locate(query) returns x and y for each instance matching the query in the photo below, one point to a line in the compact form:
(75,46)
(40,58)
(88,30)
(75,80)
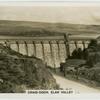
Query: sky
(62,14)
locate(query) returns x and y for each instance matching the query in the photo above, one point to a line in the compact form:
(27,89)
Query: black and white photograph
(53,48)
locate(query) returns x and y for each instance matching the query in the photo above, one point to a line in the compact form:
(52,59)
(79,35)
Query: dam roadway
(77,87)
(49,38)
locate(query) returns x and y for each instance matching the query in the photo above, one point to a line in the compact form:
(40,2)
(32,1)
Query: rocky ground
(19,72)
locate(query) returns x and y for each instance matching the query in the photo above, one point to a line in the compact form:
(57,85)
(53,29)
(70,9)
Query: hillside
(19,73)
(28,28)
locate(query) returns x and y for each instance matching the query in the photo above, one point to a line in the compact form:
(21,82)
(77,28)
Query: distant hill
(28,28)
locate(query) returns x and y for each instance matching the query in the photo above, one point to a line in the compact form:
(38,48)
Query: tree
(93,43)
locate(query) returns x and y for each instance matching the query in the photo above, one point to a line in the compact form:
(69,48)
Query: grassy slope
(40,28)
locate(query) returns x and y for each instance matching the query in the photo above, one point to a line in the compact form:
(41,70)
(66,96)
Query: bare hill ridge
(28,28)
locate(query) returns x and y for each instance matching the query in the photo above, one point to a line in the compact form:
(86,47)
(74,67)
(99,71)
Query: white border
(31,3)
(49,97)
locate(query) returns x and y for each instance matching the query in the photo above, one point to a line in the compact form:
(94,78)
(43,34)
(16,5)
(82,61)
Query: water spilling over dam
(52,49)
(47,57)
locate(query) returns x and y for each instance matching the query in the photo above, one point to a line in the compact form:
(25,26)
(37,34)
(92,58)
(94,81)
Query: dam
(51,49)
